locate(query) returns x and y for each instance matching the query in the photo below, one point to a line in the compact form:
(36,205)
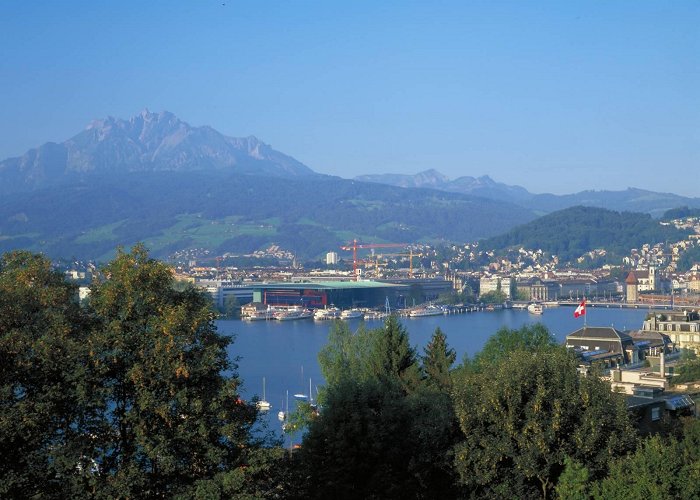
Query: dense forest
(572,232)
(131,395)
(680,213)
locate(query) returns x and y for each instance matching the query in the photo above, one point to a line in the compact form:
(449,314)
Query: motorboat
(327,313)
(429,310)
(352,314)
(292,314)
(535,308)
(260,315)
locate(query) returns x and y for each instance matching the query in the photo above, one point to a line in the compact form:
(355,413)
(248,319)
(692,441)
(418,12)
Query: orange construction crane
(410,256)
(355,246)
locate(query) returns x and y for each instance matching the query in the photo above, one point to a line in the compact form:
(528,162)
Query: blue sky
(553,96)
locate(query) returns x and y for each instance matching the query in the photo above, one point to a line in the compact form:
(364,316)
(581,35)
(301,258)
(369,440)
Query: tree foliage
(383,431)
(688,259)
(505,341)
(173,418)
(526,414)
(660,468)
(47,393)
(133,396)
(494,297)
(437,362)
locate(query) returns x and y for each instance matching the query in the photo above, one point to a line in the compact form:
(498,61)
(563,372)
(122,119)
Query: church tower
(631,287)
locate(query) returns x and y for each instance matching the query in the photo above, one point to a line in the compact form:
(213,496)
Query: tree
(232,309)
(346,354)
(391,357)
(573,482)
(658,469)
(505,341)
(381,432)
(495,297)
(355,448)
(437,361)
(47,410)
(174,419)
(525,414)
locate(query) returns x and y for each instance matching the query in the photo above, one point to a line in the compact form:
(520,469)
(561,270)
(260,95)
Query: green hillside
(239,213)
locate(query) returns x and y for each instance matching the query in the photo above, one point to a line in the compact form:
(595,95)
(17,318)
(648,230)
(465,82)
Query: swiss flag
(581,309)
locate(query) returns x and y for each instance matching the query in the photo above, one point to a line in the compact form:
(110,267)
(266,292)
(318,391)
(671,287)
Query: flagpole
(585,316)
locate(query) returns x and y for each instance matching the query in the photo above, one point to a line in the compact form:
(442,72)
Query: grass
(101,233)
(207,233)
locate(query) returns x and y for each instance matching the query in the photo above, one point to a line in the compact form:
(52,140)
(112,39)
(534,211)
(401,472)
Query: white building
(331,258)
(494,283)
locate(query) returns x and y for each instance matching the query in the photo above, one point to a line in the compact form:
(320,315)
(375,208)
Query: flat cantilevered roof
(326,285)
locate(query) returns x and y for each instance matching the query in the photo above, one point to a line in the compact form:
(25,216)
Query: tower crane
(356,246)
(410,256)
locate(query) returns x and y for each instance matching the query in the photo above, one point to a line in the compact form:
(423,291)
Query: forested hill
(571,232)
(230,212)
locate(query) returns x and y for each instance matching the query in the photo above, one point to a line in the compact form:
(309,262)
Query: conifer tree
(437,361)
(391,357)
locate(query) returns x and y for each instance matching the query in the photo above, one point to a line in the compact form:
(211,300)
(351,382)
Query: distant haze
(555,97)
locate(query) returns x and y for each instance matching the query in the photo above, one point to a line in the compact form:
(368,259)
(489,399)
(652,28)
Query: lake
(285,352)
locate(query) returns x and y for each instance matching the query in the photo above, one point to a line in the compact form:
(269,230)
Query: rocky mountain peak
(148,141)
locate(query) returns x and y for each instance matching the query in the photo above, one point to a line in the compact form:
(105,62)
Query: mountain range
(148,142)
(629,200)
(157,179)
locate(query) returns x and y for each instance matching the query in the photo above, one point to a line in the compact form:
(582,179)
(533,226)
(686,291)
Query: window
(655,414)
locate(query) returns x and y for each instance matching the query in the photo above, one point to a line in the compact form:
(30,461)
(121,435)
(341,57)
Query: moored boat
(373,315)
(263,404)
(327,313)
(292,314)
(429,310)
(351,314)
(260,315)
(535,308)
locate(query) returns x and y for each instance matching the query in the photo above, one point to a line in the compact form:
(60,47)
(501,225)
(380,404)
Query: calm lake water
(285,352)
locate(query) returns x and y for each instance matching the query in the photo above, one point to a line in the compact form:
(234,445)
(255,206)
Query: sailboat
(282,414)
(314,406)
(301,395)
(263,404)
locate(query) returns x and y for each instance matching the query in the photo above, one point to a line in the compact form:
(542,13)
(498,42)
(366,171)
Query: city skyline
(553,97)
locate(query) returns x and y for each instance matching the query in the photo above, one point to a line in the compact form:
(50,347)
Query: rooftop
(326,285)
(598,333)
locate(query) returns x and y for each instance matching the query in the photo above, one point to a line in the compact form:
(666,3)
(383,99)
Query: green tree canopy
(173,413)
(526,414)
(495,297)
(382,353)
(660,468)
(506,340)
(345,355)
(45,386)
(382,431)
